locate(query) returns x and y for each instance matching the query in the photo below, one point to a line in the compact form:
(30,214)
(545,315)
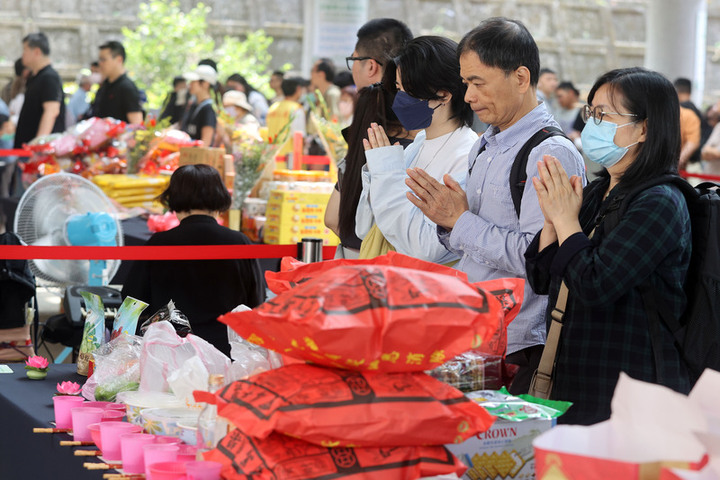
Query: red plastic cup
(158,453)
(110,415)
(81,418)
(167,471)
(62,405)
(131,451)
(110,433)
(187,453)
(94,429)
(203,470)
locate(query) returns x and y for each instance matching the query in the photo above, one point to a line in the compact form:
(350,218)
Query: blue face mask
(413,113)
(598,143)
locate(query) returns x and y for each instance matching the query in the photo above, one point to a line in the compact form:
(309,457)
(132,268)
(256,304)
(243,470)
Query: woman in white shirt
(430,102)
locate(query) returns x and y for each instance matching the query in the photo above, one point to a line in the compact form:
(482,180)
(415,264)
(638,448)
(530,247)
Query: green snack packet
(127,317)
(516,409)
(94,331)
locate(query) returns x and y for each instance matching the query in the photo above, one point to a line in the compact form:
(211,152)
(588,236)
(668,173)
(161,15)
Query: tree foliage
(168,42)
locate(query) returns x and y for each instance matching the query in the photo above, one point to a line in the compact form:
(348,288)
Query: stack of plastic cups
(132,453)
(81,418)
(63,405)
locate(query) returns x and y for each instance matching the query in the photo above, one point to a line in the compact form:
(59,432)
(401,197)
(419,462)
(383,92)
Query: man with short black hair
(43,111)
(321,78)
(287,110)
(499,63)
(379,41)
(117,97)
(691,149)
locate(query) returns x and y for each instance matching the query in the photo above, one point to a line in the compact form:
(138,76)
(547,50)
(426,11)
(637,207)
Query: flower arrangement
(68,388)
(37,367)
(329,130)
(251,154)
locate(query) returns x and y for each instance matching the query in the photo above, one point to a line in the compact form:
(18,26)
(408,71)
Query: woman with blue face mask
(430,104)
(632,129)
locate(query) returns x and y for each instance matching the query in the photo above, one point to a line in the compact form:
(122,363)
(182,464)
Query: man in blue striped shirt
(500,64)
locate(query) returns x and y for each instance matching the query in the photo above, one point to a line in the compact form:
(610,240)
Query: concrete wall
(578,38)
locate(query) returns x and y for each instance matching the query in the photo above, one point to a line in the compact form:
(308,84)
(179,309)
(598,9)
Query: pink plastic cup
(157,453)
(81,418)
(110,415)
(203,470)
(94,429)
(116,406)
(63,404)
(167,439)
(131,451)
(187,453)
(97,404)
(167,471)
(110,436)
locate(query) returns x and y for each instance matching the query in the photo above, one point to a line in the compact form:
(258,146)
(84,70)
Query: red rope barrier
(15,152)
(182,252)
(702,176)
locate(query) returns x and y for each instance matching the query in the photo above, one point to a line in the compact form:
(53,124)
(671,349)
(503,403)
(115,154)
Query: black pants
(528,360)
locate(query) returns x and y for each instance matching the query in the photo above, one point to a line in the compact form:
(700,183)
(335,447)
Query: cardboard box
(505,451)
(215,157)
(292,215)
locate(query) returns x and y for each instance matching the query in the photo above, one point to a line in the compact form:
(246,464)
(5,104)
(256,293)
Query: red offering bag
(280,457)
(340,408)
(377,317)
(293,272)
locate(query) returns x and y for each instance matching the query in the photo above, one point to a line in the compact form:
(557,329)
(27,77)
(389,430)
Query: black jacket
(201,289)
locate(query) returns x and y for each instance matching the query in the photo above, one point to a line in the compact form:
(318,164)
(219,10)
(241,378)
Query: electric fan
(65,209)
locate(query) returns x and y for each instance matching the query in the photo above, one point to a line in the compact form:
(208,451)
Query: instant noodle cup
(380,318)
(280,456)
(338,408)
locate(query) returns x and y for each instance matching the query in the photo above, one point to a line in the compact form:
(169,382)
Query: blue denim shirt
(490,238)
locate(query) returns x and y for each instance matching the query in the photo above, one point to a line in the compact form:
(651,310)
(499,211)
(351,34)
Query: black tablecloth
(25,404)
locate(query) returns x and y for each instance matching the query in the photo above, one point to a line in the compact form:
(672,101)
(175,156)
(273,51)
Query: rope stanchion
(15,152)
(701,176)
(174,252)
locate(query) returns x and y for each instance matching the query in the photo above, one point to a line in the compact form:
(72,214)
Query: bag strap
(543,380)
(518,172)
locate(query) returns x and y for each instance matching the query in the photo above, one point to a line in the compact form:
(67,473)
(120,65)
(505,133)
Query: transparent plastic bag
(117,368)
(249,359)
(171,314)
(471,371)
(164,352)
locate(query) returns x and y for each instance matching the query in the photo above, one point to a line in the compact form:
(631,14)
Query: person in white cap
(238,108)
(200,121)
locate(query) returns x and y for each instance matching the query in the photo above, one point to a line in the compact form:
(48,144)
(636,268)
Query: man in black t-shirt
(117,97)
(43,110)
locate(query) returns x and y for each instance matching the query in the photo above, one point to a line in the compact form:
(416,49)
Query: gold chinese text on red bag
(335,407)
(282,457)
(382,318)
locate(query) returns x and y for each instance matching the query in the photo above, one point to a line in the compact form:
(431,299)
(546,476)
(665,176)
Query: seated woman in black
(201,289)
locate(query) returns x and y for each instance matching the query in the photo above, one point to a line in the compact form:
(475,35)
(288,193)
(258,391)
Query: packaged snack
(127,317)
(280,457)
(117,369)
(93,333)
(471,371)
(340,408)
(379,317)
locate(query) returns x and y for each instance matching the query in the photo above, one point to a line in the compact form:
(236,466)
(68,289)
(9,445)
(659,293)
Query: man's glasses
(597,114)
(349,61)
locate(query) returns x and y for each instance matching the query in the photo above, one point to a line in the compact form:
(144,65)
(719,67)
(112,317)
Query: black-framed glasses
(349,60)
(597,114)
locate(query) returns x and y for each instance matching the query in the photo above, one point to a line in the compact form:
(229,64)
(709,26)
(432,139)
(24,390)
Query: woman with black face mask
(430,103)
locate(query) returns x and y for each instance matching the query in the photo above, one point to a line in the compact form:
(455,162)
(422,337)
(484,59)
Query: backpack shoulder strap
(518,172)
(612,216)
